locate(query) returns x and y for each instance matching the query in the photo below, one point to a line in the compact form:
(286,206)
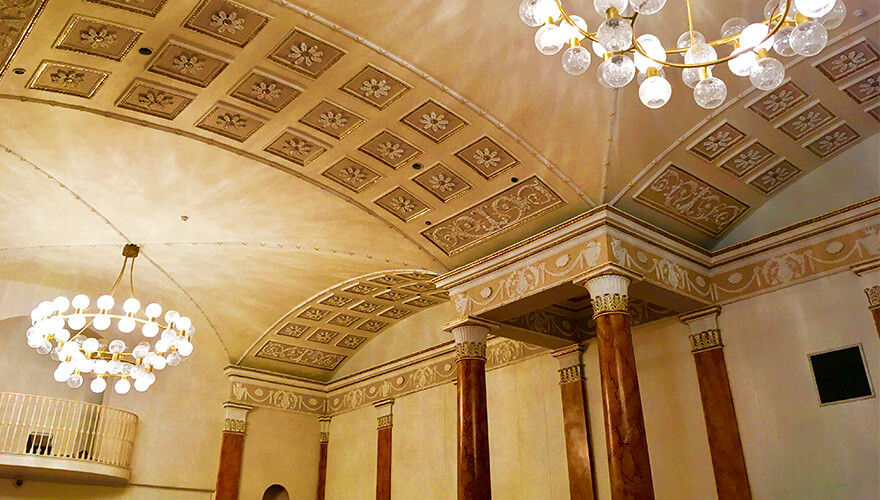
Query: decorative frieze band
(873,294)
(234,426)
(385,421)
(470,350)
(571,374)
(705,340)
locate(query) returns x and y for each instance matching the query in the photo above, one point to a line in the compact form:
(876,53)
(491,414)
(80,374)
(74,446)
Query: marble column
(873,294)
(231,449)
(383,449)
(629,466)
(574,414)
(323,442)
(473,427)
(725,447)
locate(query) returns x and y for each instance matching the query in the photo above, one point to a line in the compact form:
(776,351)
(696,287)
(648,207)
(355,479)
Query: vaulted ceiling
(275,158)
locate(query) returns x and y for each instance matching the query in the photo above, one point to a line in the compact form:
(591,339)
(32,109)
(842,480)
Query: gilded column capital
(324,434)
(235,420)
(570,365)
(384,417)
(609,288)
(703,324)
(470,336)
(873,294)
(705,340)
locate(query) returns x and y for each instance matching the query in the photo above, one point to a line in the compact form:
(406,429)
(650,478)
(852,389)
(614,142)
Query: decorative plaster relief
(749,158)
(265,91)
(293,330)
(299,355)
(510,208)
(775,177)
(352,175)
(865,90)
(717,142)
(66,79)
(145,7)
(393,296)
(296,147)
(403,205)
(660,269)
(313,314)
(807,121)
(367,307)
(682,196)
(282,399)
(231,122)
(838,139)
(351,341)
(442,182)
(332,119)
(97,37)
(344,320)
(226,20)
(375,87)
(336,301)
(306,54)
(396,313)
(154,99)
(187,63)
(848,61)
(434,121)
(550,323)
(372,326)
(323,336)
(487,157)
(390,149)
(778,101)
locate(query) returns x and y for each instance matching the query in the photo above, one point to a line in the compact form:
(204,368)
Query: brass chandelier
(108,358)
(789,27)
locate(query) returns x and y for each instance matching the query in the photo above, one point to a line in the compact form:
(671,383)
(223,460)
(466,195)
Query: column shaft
(728,462)
(322,470)
(473,431)
(577,445)
(229,472)
(628,462)
(383,465)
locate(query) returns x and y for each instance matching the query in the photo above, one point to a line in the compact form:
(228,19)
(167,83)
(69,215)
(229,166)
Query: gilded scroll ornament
(470,350)
(705,340)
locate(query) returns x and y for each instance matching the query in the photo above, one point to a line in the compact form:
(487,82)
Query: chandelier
(789,27)
(119,359)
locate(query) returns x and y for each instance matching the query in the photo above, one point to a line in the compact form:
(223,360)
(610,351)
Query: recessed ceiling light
(19,71)
(145,51)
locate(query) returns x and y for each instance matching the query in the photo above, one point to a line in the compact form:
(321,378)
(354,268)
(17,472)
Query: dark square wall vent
(841,375)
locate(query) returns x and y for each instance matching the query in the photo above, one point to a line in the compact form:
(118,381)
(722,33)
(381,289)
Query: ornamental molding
(385,421)
(571,374)
(466,350)
(324,437)
(873,294)
(610,303)
(705,340)
(234,426)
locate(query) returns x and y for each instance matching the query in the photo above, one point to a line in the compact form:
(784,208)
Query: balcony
(60,440)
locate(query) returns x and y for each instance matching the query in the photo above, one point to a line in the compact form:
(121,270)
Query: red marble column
(725,446)
(473,427)
(628,463)
(574,414)
(323,442)
(231,450)
(383,450)
(873,294)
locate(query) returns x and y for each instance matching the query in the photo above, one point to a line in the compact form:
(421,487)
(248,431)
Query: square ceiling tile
(351,341)
(394,296)
(420,287)
(875,112)
(367,307)
(396,313)
(442,182)
(421,302)
(299,355)
(390,149)
(293,330)
(67,79)
(332,119)
(153,99)
(434,121)
(314,314)
(97,37)
(717,142)
(487,157)
(322,336)
(145,7)
(838,139)
(230,122)
(352,175)
(375,87)
(389,280)
(402,204)
(442,295)
(187,63)
(807,121)
(265,91)
(361,289)
(226,20)
(306,54)
(372,325)
(343,319)
(865,90)
(775,177)
(848,61)
(747,159)
(296,147)
(337,301)
(775,103)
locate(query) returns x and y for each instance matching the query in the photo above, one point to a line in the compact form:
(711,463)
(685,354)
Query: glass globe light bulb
(117,346)
(647,7)
(700,53)
(141,385)
(85,365)
(733,26)
(602,6)
(835,17)
(549,40)
(684,41)
(814,8)
(809,38)
(101,322)
(654,92)
(710,92)
(158,362)
(80,302)
(153,310)
(62,335)
(618,70)
(546,10)
(163,344)
(44,348)
(98,385)
(615,34)
(150,330)
(599,50)
(753,36)
(61,304)
(186,348)
(576,60)
(651,45)
(690,76)
(76,322)
(792,10)
(171,316)
(91,345)
(102,366)
(131,305)
(126,325)
(741,65)
(138,371)
(140,351)
(122,386)
(63,372)
(114,367)
(105,302)
(173,359)
(573,31)
(767,74)
(46,308)
(75,381)
(600,77)
(184,322)
(528,13)
(782,42)
(150,377)
(55,354)
(55,323)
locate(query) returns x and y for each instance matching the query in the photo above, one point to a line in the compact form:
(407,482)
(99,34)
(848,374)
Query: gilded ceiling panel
(226,20)
(97,37)
(67,79)
(153,99)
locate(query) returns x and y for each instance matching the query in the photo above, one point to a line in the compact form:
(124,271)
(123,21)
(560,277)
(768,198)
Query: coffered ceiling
(317,146)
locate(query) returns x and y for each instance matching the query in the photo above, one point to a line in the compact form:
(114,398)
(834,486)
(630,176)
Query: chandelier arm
(690,22)
(131,279)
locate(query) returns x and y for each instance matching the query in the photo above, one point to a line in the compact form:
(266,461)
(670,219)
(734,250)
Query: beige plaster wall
(351,456)
(41,490)
(281,447)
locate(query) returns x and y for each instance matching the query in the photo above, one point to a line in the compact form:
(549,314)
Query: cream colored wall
(41,490)
(351,456)
(281,447)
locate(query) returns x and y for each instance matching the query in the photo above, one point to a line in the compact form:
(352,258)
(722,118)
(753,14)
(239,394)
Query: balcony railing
(85,433)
